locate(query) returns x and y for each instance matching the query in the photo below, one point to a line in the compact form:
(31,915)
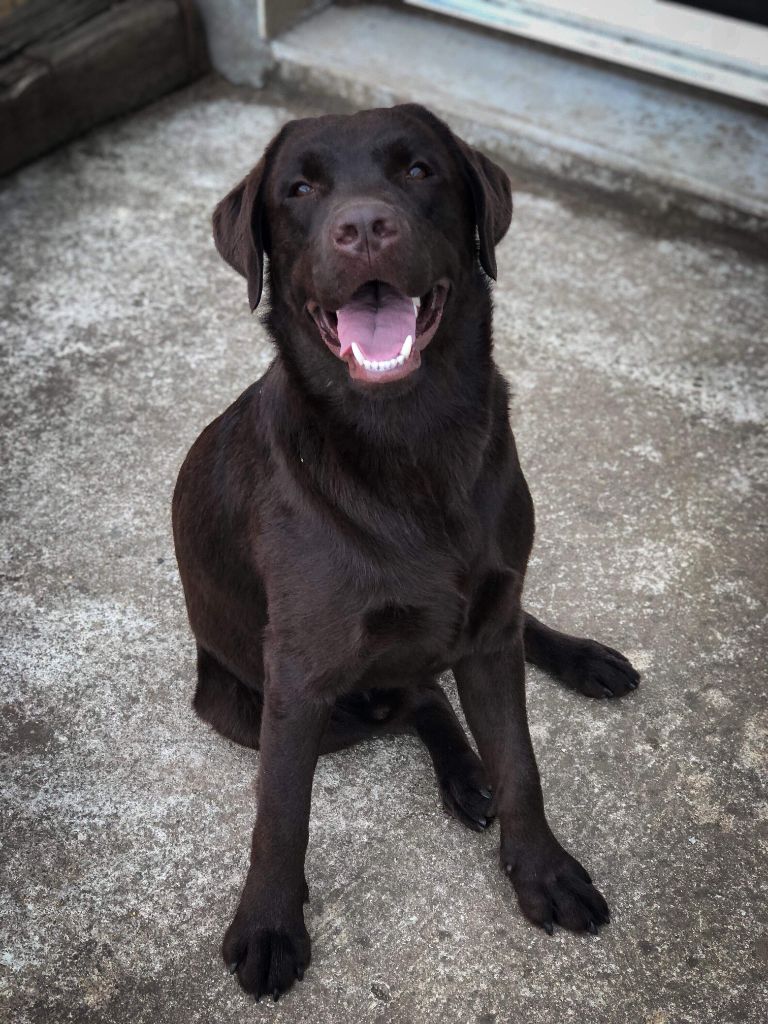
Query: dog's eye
(418,171)
(300,188)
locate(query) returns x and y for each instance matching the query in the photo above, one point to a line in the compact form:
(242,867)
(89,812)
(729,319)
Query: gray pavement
(638,363)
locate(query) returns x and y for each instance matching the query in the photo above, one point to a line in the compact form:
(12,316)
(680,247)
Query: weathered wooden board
(26,21)
(112,63)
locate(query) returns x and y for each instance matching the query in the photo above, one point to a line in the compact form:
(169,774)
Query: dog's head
(372,222)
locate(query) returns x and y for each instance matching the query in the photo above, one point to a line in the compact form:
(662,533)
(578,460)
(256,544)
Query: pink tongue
(379,319)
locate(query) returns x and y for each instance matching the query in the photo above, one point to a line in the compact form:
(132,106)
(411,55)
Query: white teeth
(379,366)
(416,305)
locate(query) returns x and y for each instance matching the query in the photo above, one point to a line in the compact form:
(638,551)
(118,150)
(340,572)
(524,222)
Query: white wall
(235,39)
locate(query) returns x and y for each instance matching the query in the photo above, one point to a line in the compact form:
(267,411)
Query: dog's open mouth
(379,332)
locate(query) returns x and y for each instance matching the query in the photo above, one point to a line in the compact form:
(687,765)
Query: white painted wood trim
(667,55)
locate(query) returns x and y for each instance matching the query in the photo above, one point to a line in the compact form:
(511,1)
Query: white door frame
(689,45)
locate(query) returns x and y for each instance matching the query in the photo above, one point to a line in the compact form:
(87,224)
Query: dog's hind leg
(235,710)
(231,707)
(461,777)
(581,664)
(425,710)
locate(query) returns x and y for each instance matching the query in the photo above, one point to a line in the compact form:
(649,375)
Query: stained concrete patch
(637,362)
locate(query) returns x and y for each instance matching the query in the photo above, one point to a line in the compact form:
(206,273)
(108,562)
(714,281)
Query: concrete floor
(638,362)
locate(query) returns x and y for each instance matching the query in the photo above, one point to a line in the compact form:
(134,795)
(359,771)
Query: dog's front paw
(266,953)
(553,888)
(599,671)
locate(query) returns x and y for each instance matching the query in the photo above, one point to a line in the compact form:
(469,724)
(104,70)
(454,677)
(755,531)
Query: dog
(357,522)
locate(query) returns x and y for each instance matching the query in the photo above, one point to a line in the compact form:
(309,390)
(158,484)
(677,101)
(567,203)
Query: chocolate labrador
(357,522)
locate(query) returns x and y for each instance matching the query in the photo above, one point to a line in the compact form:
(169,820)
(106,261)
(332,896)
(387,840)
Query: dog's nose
(364,227)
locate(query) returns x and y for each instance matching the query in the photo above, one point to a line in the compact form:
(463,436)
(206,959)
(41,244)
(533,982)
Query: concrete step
(649,144)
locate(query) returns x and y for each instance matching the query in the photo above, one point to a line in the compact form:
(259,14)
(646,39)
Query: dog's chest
(441,618)
(403,594)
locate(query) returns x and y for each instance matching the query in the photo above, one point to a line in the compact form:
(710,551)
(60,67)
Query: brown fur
(340,544)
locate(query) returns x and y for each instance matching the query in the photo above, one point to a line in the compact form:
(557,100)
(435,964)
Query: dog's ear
(238,230)
(492,198)
(488,185)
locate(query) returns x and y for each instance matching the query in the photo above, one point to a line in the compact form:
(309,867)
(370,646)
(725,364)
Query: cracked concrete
(638,362)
